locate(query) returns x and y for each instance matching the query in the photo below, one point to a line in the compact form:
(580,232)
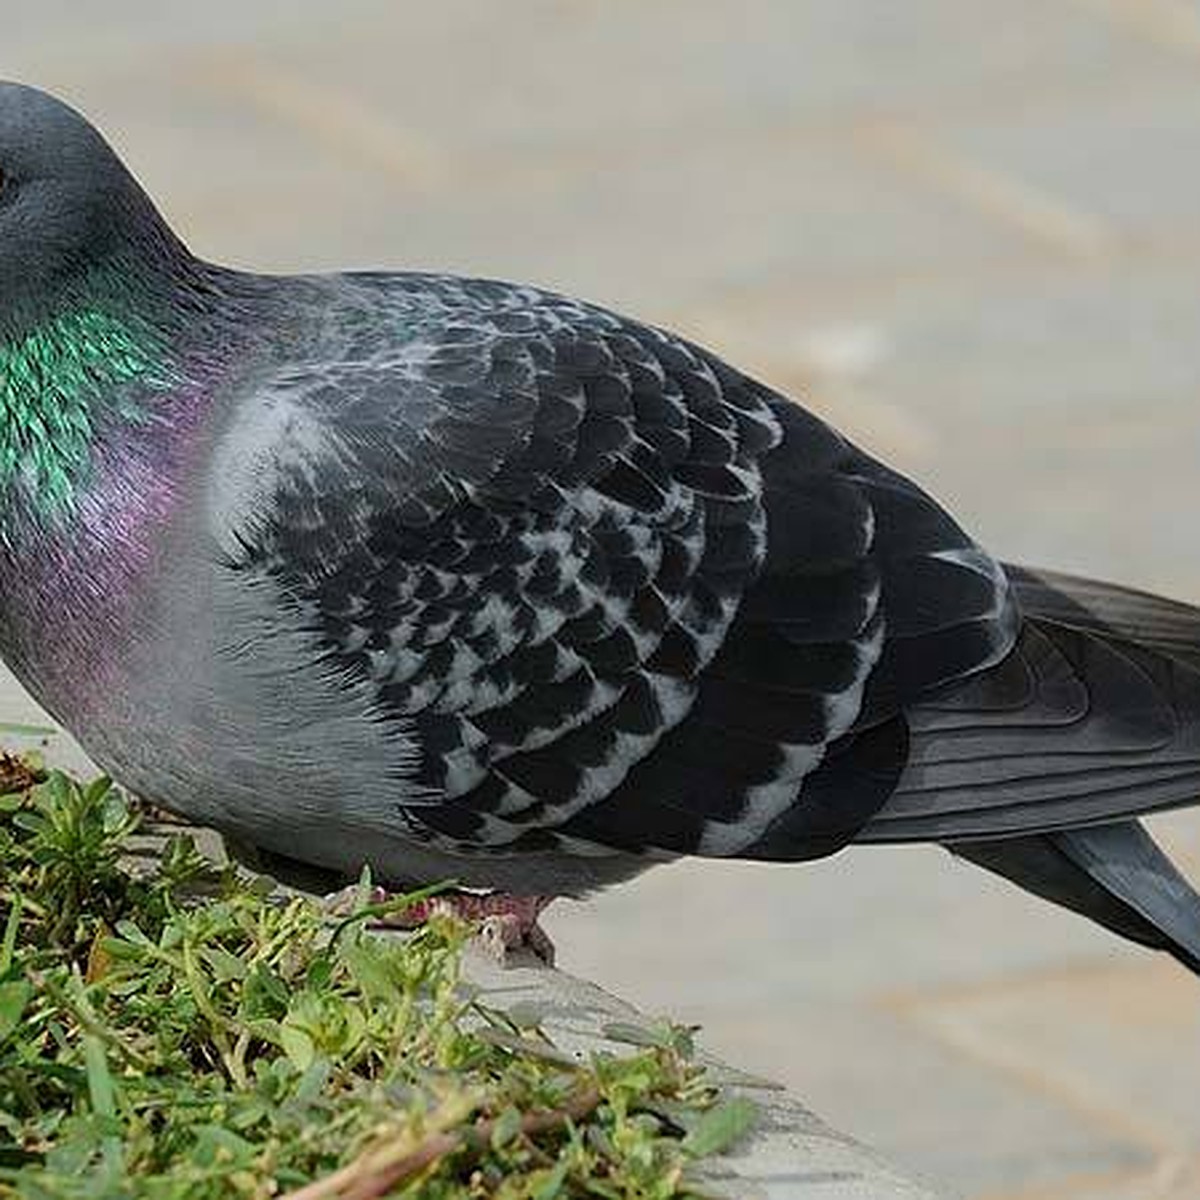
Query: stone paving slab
(1171,1179)
(1112,154)
(1061,1030)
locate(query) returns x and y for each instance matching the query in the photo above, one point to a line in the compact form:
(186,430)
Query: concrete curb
(792,1154)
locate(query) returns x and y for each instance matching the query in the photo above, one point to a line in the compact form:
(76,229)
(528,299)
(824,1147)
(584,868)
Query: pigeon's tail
(1167,626)
(1114,874)
(1037,768)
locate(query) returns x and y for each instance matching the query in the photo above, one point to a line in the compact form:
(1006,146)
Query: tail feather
(1125,860)
(1114,874)
(1037,768)
(1167,626)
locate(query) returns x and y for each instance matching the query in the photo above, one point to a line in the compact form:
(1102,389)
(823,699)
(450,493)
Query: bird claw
(505,925)
(502,936)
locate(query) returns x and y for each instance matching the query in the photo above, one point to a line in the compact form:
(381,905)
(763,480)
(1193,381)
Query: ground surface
(969,233)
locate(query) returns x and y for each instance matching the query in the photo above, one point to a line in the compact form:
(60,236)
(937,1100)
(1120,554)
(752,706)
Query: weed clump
(179,1033)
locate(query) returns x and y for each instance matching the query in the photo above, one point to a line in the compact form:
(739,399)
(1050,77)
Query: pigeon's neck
(89,368)
(103,408)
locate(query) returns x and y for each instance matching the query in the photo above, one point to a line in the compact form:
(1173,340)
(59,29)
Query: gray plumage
(464,578)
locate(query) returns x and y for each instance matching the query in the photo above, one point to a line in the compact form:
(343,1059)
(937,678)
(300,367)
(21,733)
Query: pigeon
(466,579)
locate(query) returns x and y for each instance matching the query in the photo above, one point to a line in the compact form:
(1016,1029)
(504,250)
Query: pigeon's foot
(506,925)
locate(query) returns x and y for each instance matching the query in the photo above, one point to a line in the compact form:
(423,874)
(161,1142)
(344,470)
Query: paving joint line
(326,114)
(1065,1091)
(1007,199)
(1170,24)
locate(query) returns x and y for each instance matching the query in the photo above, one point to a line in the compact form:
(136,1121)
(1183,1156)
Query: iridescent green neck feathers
(59,383)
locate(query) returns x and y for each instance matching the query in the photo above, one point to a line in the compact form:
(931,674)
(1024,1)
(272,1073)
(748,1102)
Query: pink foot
(506,924)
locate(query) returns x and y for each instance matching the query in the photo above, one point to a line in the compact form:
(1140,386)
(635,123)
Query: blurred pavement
(969,234)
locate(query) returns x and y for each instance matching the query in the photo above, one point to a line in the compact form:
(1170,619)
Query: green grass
(182,1033)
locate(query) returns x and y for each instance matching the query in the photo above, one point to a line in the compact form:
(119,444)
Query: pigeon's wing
(869,598)
(619,594)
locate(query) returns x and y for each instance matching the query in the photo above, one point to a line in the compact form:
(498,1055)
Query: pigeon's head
(67,205)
